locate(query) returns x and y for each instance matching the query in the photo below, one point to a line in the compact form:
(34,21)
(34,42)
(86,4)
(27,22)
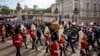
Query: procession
(49,28)
(54,36)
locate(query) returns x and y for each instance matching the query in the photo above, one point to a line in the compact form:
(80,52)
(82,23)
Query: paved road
(7,49)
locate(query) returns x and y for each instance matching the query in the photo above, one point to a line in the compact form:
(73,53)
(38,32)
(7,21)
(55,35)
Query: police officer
(90,35)
(70,42)
(95,33)
(39,34)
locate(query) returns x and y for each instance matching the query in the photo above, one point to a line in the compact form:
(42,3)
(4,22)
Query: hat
(46,30)
(91,23)
(74,23)
(83,24)
(33,27)
(55,25)
(17,31)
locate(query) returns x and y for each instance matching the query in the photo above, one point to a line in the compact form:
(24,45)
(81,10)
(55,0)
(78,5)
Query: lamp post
(41,15)
(76,12)
(56,12)
(35,7)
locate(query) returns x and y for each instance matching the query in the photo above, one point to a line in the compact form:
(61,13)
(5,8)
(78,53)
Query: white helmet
(46,30)
(22,27)
(33,27)
(74,23)
(91,23)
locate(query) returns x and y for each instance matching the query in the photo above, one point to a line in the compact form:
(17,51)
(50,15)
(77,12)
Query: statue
(18,9)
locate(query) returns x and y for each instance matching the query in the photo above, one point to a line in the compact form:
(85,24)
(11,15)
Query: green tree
(5,10)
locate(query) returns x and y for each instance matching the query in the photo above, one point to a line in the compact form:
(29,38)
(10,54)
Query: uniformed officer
(17,41)
(3,32)
(62,43)
(54,46)
(84,46)
(47,38)
(24,33)
(33,35)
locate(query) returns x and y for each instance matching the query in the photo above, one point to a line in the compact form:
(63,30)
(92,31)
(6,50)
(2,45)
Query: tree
(48,10)
(5,10)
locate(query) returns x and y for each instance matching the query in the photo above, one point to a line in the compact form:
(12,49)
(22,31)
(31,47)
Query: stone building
(80,9)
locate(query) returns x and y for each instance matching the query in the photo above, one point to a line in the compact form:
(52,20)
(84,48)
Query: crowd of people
(56,41)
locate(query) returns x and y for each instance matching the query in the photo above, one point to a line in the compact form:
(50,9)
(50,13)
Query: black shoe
(47,52)
(26,47)
(74,52)
(32,47)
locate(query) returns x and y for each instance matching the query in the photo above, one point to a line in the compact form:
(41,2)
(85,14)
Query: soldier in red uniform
(3,32)
(84,46)
(47,40)
(33,35)
(24,33)
(17,41)
(54,46)
(62,45)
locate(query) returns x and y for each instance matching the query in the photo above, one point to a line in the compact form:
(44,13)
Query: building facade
(86,8)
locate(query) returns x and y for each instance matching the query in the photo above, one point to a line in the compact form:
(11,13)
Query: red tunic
(61,41)
(54,49)
(17,40)
(33,34)
(84,44)
(23,33)
(47,37)
(2,31)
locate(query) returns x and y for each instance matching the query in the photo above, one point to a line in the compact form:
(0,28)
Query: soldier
(47,41)
(84,46)
(17,41)
(96,34)
(3,32)
(82,31)
(24,33)
(90,38)
(54,46)
(33,35)
(62,44)
(39,34)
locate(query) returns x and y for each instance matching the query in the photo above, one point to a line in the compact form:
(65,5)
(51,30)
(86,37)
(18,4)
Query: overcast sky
(41,3)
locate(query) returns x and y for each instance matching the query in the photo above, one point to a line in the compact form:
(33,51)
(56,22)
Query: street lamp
(41,15)
(76,12)
(56,12)
(35,7)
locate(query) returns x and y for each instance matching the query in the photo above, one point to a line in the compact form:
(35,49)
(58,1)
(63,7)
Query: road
(7,49)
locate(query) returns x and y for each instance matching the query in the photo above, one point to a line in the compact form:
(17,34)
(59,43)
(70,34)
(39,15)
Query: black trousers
(24,40)
(91,42)
(18,51)
(87,52)
(62,50)
(71,45)
(96,40)
(34,44)
(47,47)
(39,40)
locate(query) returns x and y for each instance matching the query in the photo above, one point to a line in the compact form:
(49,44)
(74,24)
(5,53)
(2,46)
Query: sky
(40,3)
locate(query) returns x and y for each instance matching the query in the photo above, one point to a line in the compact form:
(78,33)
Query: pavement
(7,49)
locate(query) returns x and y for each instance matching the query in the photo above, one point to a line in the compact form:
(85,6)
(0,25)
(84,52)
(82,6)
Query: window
(99,9)
(76,5)
(95,13)
(94,6)
(95,9)
(87,6)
